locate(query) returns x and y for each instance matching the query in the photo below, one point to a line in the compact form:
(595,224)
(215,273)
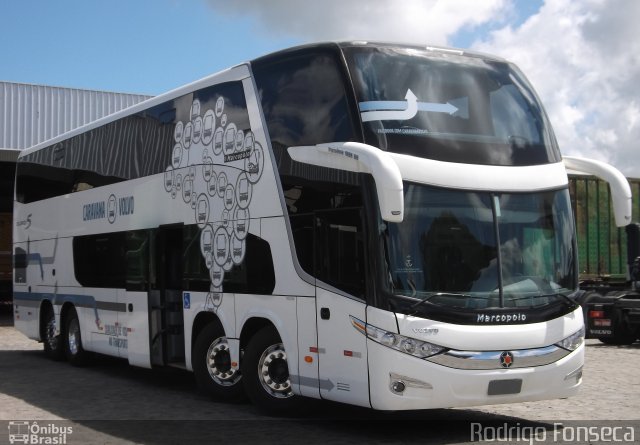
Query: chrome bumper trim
(479,360)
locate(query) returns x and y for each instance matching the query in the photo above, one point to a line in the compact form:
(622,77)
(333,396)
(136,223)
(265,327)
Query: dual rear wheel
(263,374)
(67,344)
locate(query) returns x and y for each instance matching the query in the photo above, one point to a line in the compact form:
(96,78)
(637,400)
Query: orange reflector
(308,359)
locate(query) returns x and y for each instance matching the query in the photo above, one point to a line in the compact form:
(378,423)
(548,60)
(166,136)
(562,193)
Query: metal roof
(30,114)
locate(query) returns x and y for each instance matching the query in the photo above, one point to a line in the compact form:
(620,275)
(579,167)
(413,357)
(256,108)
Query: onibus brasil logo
(34,433)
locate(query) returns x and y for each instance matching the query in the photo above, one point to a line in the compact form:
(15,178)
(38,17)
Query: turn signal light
(596,314)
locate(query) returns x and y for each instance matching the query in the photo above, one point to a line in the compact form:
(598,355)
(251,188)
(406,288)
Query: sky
(583,57)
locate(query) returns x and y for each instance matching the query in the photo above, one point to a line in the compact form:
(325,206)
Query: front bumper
(428,385)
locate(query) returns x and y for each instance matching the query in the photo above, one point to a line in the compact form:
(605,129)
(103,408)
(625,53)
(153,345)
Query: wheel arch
(64,313)
(252,326)
(202,320)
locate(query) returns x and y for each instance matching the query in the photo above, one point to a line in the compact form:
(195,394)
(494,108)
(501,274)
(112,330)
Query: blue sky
(581,56)
(136,46)
(142,46)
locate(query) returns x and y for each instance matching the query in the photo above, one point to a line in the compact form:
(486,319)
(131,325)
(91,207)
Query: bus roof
(241,71)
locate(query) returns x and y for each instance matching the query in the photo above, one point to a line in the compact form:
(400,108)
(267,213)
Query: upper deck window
(449,107)
(304,99)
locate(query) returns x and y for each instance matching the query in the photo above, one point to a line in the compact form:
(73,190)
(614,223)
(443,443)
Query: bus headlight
(407,345)
(572,342)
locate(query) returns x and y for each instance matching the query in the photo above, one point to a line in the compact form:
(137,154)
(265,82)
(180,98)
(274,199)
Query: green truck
(609,262)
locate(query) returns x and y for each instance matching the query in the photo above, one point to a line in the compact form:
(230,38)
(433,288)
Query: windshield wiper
(437,294)
(568,299)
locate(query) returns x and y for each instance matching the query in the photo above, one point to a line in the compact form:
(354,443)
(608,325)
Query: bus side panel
(135,327)
(344,376)
(98,311)
(26,313)
(308,378)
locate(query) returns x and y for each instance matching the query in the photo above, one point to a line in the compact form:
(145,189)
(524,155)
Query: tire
(76,355)
(212,366)
(53,344)
(266,374)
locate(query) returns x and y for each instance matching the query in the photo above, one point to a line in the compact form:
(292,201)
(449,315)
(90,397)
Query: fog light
(577,374)
(398,387)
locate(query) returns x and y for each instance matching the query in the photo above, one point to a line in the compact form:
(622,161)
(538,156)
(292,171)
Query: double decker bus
(382,225)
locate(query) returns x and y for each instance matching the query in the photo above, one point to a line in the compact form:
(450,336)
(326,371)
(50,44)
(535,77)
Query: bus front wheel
(266,373)
(212,366)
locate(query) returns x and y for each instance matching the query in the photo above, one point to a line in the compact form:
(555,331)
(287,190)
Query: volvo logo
(506,359)
(427,331)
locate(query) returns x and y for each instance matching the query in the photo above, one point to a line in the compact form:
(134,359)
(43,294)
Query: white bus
(381,225)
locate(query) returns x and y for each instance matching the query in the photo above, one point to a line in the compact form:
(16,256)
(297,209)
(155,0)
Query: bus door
(165,296)
(339,262)
(133,321)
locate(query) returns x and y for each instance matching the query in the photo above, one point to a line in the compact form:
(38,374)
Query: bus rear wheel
(266,374)
(53,347)
(73,349)
(212,365)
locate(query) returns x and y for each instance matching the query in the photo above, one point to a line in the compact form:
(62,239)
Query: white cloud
(412,21)
(583,58)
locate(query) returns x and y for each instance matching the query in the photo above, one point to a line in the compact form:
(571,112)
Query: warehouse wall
(30,114)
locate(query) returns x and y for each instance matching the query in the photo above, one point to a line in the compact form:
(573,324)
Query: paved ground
(111,402)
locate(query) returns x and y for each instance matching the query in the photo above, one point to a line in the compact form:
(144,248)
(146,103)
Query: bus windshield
(481,250)
(448,107)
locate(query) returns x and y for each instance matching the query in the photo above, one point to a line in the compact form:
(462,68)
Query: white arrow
(437,108)
(400,115)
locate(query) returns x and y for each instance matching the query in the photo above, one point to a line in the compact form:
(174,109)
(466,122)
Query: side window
(131,147)
(99,260)
(137,260)
(113,260)
(304,100)
(254,275)
(327,227)
(138,145)
(340,257)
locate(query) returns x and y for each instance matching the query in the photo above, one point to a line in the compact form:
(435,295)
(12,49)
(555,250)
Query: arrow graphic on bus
(386,110)
(311,382)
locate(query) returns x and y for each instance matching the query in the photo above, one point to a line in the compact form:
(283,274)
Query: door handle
(325,313)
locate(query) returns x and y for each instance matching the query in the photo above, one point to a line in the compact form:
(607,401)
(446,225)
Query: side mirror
(360,158)
(620,189)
